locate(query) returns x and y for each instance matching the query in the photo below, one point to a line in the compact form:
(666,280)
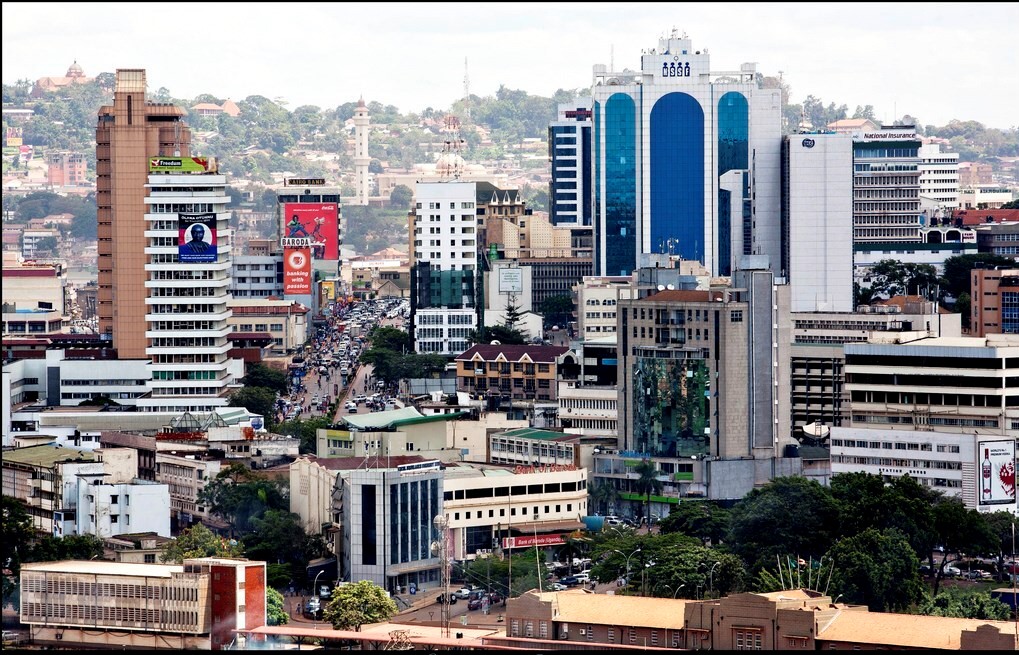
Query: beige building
(45,479)
(186,475)
(596,298)
(127,134)
(514,371)
(286,321)
(994,298)
(795,619)
(66,169)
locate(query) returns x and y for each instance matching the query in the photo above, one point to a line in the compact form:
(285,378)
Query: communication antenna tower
(451,163)
(176,138)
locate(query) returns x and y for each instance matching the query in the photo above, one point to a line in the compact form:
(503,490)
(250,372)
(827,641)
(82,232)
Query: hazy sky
(934,61)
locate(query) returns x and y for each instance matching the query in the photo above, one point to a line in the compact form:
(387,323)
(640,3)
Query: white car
(557,586)
(583,578)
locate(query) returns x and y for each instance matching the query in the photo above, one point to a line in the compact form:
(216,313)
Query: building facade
(514,372)
(994,305)
(128,133)
(939,177)
(663,139)
(569,150)
(187,294)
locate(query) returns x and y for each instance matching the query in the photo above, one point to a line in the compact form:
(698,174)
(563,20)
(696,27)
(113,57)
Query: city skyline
(419,51)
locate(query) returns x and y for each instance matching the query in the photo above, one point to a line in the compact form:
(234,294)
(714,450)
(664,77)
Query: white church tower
(361,158)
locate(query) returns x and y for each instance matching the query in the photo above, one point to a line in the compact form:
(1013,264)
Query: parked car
(463,592)
(495,597)
(474,603)
(446,598)
(570,581)
(952,572)
(558,586)
(583,577)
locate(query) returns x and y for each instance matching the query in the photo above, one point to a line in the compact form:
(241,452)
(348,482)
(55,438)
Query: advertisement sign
(297,271)
(179,165)
(531,541)
(12,137)
(511,280)
(329,289)
(996,472)
(317,221)
(196,238)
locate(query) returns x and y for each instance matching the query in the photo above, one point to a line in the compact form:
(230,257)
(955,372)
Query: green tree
(277,536)
(556,310)
(357,603)
(891,277)
(198,541)
(1012,204)
(878,569)
(697,518)
(964,604)
(387,337)
(306,430)
(260,375)
(959,529)
(275,608)
(400,196)
(768,521)
(1001,525)
(17,535)
(603,495)
(504,335)
(257,400)
(647,482)
(240,495)
(963,306)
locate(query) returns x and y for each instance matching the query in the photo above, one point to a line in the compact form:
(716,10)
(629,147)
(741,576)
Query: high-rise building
(994,302)
(939,177)
(187,286)
(127,134)
(569,150)
(444,260)
(663,140)
(817,214)
(886,186)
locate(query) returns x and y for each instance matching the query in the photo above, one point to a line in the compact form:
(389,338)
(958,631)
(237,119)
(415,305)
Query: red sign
(317,221)
(297,271)
(532,541)
(547,468)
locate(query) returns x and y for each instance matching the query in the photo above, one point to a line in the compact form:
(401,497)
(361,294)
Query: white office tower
(663,138)
(186,301)
(939,180)
(444,266)
(817,221)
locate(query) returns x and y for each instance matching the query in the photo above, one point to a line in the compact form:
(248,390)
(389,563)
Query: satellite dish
(661,287)
(816,429)
(495,343)
(670,287)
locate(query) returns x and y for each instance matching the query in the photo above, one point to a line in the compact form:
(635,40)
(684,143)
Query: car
(570,581)
(463,592)
(446,598)
(558,586)
(495,597)
(952,572)
(583,577)
(475,603)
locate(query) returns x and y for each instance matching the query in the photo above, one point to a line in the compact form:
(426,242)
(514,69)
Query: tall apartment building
(444,266)
(664,139)
(886,186)
(596,298)
(128,133)
(817,215)
(994,302)
(569,150)
(939,177)
(258,271)
(187,287)
(66,169)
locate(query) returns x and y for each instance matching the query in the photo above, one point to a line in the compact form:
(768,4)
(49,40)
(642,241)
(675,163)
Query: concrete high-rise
(127,134)
(569,150)
(664,140)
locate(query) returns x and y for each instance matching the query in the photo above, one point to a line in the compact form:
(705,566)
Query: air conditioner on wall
(583,632)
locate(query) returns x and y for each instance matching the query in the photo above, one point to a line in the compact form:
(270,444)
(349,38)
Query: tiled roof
(972,217)
(514,353)
(907,630)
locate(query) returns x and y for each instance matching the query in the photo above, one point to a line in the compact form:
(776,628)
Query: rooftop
(907,630)
(47,455)
(393,418)
(578,606)
(542,435)
(354,463)
(102,567)
(514,353)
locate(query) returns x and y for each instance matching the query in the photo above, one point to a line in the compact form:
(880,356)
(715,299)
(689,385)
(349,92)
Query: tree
(505,335)
(1012,204)
(357,603)
(306,430)
(697,518)
(964,604)
(963,306)
(959,529)
(959,269)
(400,196)
(275,608)
(240,495)
(647,482)
(890,277)
(769,521)
(257,400)
(198,541)
(17,533)
(260,375)
(867,501)
(278,536)
(512,315)
(389,338)
(603,495)
(556,310)
(878,569)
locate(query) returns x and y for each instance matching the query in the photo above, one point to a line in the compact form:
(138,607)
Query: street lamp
(614,550)
(711,578)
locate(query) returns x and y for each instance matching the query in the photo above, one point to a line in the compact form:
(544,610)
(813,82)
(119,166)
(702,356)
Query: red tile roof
(979,216)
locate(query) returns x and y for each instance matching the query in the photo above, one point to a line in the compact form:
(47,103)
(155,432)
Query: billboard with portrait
(196,238)
(996,472)
(297,271)
(318,221)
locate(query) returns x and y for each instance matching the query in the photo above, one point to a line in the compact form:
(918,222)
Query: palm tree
(603,494)
(647,482)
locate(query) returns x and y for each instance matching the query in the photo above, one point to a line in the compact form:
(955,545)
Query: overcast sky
(934,61)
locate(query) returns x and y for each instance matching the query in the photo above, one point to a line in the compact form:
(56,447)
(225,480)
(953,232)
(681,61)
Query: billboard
(511,280)
(179,165)
(317,221)
(671,407)
(297,271)
(196,238)
(13,138)
(996,472)
(329,289)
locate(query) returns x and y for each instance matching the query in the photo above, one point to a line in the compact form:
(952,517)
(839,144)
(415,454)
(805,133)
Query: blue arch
(733,154)
(677,176)
(620,191)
